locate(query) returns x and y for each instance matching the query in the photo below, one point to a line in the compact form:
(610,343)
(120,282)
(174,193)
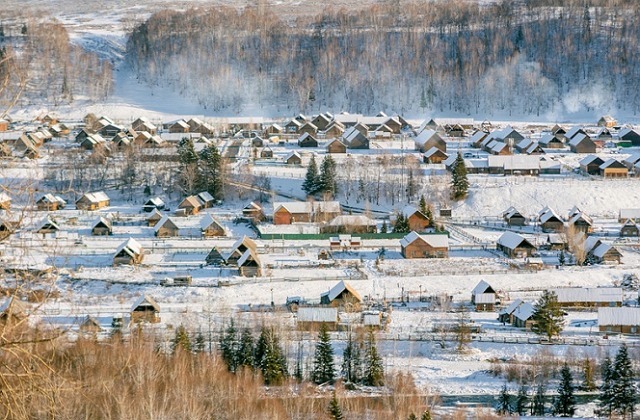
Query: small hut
(145,309)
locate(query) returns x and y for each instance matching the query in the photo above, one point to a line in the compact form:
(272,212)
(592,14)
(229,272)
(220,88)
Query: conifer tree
(422,205)
(189,176)
(607,390)
(323,369)
(181,340)
(211,172)
(588,380)
(199,343)
(351,361)
(384,228)
(412,416)
(373,371)
(522,400)
(328,177)
(459,181)
(537,406)
(548,317)
(426,415)
(625,392)
(565,404)
(312,178)
(504,401)
(245,350)
(335,412)
(229,347)
(402,224)
(270,358)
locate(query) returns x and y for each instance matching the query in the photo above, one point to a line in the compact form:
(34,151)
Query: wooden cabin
(93,201)
(102,227)
(414,245)
(483,297)
(145,310)
(417,220)
(210,227)
(624,320)
(342,295)
(129,252)
(190,205)
(336,146)
(514,245)
(50,202)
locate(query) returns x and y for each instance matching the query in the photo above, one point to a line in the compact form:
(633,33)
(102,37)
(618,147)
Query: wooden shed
(93,201)
(129,252)
(342,295)
(514,245)
(102,227)
(336,146)
(483,297)
(312,318)
(414,245)
(145,309)
(624,320)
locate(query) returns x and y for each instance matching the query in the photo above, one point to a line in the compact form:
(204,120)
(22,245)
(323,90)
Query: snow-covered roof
(511,212)
(481,287)
(585,294)
(292,154)
(335,291)
(96,197)
(511,240)
(578,138)
(47,221)
(145,300)
(207,221)
(205,196)
(166,220)
(433,151)
(573,131)
(478,136)
(633,159)
(308,314)
(296,207)
(587,160)
(619,316)
(514,162)
(601,250)
(613,163)
(248,253)
(524,311)
(436,241)
(548,138)
(131,247)
(101,220)
(580,215)
(512,307)
(546,214)
(426,135)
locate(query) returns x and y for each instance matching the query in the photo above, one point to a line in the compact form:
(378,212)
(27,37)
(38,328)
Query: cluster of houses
(608,301)
(611,168)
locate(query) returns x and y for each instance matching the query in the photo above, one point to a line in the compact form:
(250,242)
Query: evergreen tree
(229,347)
(504,401)
(522,400)
(459,181)
(211,173)
(412,416)
(588,380)
(351,361)
(189,176)
(426,415)
(402,224)
(548,316)
(429,214)
(537,407)
(373,371)
(565,404)
(422,205)
(270,358)
(181,340)
(328,177)
(199,343)
(323,369)
(562,259)
(311,183)
(245,350)
(607,390)
(335,412)
(625,392)
(384,228)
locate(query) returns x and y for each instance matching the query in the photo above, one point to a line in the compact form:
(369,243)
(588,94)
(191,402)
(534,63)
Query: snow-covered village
(177,244)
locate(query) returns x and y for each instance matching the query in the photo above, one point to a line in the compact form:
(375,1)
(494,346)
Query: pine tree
(402,224)
(199,343)
(189,176)
(328,177)
(548,316)
(537,407)
(422,205)
(562,258)
(270,358)
(211,172)
(244,355)
(229,347)
(426,415)
(351,361)
(625,392)
(311,183)
(181,340)
(335,412)
(373,371)
(384,228)
(565,404)
(323,369)
(607,390)
(459,181)
(504,401)
(429,214)
(588,380)
(522,400)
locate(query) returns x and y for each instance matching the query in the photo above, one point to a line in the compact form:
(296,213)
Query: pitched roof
(352,220)
(591,159)
(208,220)
(165,222)
(96,197)
(131,247)
(612,163)
(436,241)
(512,307)
(145,300)
(512,240)
(546,214)
(335,291)
(524,311)
(586,294)
(101,220)
(481,287)
(205,196)
(313,314)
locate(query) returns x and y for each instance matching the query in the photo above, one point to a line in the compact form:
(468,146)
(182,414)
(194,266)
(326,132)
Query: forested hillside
(39,64)
(539,57)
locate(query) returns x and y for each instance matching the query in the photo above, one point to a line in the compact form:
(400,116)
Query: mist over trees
(526,58)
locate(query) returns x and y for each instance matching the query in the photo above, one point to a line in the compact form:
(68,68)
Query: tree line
(533,57)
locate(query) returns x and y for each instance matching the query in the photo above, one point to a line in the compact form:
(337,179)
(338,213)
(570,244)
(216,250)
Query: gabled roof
(252,206)
(352,220)
(335,141)
(524,311)
(96,197)
(101,221)
(336,290)
(155,201)
(633,159)
(511,212)
(190,201)
(427,135)
(155,215)
(478,136)
(512,240)
(573,131)
(306,137)
(434,151)
(131,247)
(409,210)
(591,159)
(292,154)
(589,294)
(580,216)
(546,214)
(628,134)
(145,300)
(549,138)
(165,222)
(579,138)
(482,287)
(205,197)
(249,254)
(436,241)
(292,207)
(512,307)
(208,220)
(612,163)
(47,222)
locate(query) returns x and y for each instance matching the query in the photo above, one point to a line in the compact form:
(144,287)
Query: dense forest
(39,64)
(536,57)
